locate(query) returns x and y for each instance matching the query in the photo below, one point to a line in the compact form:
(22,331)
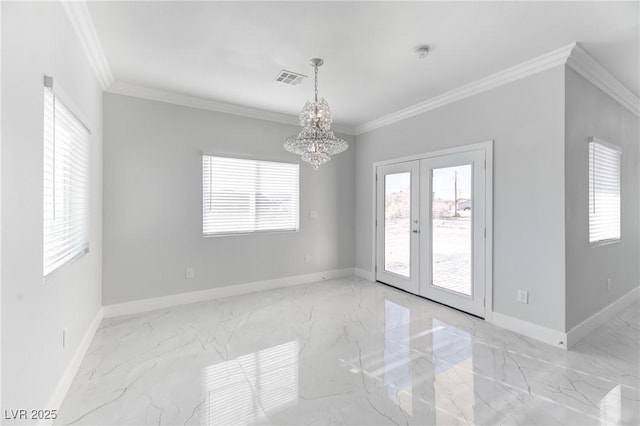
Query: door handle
(416,231)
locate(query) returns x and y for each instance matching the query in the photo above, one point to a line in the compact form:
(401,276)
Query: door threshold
(431,300)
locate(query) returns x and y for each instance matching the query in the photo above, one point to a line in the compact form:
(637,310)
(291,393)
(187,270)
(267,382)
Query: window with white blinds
(604,191)
(244,196)
(66,184)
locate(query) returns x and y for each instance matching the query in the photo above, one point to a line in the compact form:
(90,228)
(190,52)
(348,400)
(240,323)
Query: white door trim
(488,148)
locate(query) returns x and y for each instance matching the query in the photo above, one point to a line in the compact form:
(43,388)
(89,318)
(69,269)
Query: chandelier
(316,142)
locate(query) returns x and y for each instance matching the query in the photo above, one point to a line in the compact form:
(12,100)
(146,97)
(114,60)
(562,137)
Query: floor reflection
(397,355)
(453,368)
(445,383)
(244,390)
(611,407)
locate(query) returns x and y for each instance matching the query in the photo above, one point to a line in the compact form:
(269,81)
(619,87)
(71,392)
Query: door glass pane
(451,228)
(397,222)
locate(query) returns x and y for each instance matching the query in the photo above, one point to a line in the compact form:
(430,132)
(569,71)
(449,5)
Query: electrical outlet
(523,296)
(608,283)
(307,258)
(188,273)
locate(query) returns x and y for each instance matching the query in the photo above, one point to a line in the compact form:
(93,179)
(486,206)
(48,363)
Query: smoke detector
(289,77)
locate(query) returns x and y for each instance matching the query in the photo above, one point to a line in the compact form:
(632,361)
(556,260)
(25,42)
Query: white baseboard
(601,317)
(145,305)
(547,335)
(72,369)
(363,273)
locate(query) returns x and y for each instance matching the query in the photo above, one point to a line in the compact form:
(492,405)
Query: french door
(430,228)
(397,216)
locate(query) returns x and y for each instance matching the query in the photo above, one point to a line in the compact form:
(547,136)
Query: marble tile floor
(347,351)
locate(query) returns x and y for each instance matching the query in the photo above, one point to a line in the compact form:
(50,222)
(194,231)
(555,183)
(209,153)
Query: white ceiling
(232,51)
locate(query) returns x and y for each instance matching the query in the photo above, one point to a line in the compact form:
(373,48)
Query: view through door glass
(452,209)
(397,223)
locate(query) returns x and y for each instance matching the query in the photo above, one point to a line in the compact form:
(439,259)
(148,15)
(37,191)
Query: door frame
(488,151)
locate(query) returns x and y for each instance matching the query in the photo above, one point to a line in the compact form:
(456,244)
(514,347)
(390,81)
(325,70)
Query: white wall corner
(601,317)
(584,64)
(364,274)
(535,331)
(80,18)
(517,72)
(70,372)
(146,305)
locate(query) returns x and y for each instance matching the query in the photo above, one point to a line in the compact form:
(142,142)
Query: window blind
(243,196)
(66,185)
(604,192)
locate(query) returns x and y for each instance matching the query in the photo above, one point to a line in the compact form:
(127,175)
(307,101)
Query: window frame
(591,193)
(245,232)
(58,97)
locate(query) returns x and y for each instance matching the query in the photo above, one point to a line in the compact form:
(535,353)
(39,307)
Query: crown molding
(78,14)
(517,72)
(581,62)
(572,55)
(158,95)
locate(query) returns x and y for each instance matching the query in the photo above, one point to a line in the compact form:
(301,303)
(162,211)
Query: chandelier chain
(316,67)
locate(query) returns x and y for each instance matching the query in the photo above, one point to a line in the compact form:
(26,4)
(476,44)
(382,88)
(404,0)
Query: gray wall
(37,39)
(590,112)
(153,203)
(526,120)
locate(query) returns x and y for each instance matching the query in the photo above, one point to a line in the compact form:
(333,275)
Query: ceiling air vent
(289,77)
